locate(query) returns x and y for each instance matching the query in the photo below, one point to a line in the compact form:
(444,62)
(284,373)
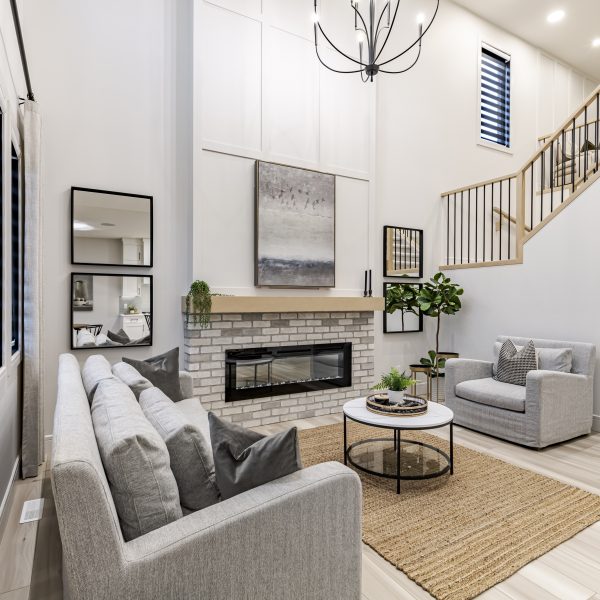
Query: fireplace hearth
(278,370)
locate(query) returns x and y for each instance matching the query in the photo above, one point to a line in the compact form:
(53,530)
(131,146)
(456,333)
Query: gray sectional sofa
(298,537)
(553,407)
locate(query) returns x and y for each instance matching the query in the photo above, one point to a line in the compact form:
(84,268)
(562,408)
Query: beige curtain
(32,454)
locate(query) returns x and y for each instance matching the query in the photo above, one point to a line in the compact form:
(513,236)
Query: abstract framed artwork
(294,227)
(402,252)
(402,314)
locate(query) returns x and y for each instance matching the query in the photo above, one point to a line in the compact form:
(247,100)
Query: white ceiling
(570,40)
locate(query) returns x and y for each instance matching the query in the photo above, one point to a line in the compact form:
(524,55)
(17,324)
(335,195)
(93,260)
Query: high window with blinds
(495,96)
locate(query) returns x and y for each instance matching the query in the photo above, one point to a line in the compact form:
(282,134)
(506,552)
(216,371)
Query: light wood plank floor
(30,555)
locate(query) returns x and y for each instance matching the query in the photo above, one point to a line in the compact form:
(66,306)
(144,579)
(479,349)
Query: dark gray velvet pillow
(162,371)
(245,459)
(120,337)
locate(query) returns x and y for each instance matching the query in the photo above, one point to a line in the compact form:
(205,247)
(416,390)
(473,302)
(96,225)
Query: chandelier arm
(327,66)
(337,49)
(365,28)
(391,26)
(407,68)
(379,28)
(417,41)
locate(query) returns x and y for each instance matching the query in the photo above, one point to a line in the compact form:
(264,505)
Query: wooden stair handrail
(543,138)
(505,215)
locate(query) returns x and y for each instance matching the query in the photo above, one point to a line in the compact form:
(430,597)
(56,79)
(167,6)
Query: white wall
(427,134)
(552,295)
(106,78)
(262,95)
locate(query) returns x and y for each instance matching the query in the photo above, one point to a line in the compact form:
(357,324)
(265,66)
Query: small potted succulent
(395,383)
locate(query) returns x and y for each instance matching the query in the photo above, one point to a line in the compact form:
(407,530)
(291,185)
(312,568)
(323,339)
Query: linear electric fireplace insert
(273,371)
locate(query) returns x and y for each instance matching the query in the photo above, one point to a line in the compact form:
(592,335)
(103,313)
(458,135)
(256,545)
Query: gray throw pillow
(548,359)
(131,378)
(136,461)
(95,369)
(245,459)
(162,371)
(120,337)
(513,364)
(190,453)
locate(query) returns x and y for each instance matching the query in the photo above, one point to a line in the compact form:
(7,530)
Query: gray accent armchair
(553,406)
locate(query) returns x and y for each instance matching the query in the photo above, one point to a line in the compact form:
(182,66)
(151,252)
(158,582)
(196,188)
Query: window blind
(495,97)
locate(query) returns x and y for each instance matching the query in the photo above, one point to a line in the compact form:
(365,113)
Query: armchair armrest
(186,382)
(296,537)
(558,403)
(464,369)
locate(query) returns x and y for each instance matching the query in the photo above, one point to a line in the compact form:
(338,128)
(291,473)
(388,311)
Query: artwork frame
(294,227)
(95,324)
(393,266)
(390,322)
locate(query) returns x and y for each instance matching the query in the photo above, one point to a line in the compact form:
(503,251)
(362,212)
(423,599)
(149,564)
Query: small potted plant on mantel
(395,383)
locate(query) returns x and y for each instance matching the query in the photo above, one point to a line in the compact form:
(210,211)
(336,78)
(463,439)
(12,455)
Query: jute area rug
(459,535)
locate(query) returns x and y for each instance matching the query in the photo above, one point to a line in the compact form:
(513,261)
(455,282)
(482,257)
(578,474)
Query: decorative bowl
(408,406)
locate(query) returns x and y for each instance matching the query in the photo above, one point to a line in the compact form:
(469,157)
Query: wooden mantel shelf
(279,304)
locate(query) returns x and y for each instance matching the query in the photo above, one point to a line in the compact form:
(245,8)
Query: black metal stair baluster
(448,232)
(501,217)
(542,185)
(492,226)
(597,122)
(484,222)
(454,231)
(509,216)
(552,176)
(573,163)
(563,162)
(469,228)
(585,144)
(532,187)
(476,219)
(462,235)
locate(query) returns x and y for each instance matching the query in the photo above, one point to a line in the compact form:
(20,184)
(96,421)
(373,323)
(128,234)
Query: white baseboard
(9,487)
(47,447)
(596,423)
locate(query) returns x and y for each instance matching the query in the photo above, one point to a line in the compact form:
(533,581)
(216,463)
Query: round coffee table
(391,457)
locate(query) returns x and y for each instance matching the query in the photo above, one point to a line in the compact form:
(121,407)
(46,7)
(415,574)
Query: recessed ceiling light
(596,43)
(556,16)
(81,226)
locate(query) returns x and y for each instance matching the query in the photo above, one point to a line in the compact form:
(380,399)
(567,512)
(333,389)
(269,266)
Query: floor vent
(32,510)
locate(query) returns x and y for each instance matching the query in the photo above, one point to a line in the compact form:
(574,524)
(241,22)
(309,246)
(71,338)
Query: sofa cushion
(493,393)
(120,337)
(197,414)
(95,369)
(136,461)
(162,371)
(548,359)
(130,377)
(245,459)
(191,459)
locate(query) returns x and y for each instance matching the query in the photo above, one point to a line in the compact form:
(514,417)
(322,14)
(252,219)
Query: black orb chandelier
(373,30)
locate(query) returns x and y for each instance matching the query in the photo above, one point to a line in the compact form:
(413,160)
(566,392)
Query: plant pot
(396,396)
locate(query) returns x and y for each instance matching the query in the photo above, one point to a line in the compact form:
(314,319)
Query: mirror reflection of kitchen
(111,228)
(111,310)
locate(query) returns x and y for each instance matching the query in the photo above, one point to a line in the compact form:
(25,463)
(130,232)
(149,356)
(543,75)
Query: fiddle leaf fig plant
(439,296)
(402,297)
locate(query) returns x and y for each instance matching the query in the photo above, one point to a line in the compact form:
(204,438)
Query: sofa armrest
(557,402)
(464,369)
(296,537)
(186,382)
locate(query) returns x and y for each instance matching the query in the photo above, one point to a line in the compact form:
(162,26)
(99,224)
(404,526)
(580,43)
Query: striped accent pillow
(513,364)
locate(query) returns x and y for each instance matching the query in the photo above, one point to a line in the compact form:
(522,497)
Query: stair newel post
(520,216)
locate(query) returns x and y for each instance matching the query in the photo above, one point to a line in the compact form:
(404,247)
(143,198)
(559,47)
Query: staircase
(488,223)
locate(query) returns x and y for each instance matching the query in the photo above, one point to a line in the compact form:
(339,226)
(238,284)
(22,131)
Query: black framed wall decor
(110,310)
(401,314)
(111,229)
(402,252)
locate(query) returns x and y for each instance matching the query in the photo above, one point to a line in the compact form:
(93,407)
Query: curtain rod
(17,22)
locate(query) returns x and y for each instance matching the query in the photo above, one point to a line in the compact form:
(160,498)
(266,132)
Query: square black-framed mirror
(402,313)
(402,252)
(111,229)
(111,310)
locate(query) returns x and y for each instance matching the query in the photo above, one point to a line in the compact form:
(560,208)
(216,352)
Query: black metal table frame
(397,447)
